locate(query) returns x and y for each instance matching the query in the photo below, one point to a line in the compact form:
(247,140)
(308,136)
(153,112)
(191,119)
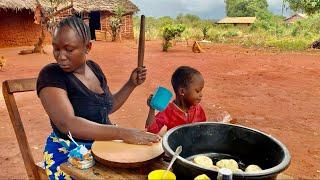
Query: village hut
(17,25)
(238,21)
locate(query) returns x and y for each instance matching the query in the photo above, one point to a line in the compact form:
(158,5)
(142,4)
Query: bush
(288,44)
(192,33)
(231,34)
(169,33)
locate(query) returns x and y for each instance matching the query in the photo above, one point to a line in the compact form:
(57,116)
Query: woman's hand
(141,137)
(138,76)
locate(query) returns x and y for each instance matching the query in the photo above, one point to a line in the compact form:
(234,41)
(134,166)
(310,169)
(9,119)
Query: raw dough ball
(203,161)
(253,168)
(228,163)
(202,177)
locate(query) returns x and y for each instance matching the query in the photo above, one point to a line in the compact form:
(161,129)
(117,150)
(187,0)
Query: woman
(75,95)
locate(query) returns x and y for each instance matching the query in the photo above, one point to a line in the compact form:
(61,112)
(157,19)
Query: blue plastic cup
(161,98)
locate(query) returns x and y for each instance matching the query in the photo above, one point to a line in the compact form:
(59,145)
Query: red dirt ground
(278,93)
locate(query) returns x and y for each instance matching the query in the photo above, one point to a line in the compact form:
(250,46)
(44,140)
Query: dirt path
(278,93)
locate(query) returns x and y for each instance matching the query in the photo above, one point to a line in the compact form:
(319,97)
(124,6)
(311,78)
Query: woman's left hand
(138,76)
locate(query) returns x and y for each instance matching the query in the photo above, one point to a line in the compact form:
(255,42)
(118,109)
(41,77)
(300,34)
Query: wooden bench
(9,88)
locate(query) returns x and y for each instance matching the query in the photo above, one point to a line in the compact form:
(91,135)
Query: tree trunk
(114,36)
(119,34)
(38,47)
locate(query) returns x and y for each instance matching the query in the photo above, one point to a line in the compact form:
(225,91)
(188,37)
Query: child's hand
(163,131)
(138,76)
(141,137)
(149,100)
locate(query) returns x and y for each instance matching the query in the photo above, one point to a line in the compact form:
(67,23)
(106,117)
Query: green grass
(269,31)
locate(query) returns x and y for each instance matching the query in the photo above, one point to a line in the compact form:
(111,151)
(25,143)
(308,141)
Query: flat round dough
(120,152)
(253,168)
(228,163)
(203,161)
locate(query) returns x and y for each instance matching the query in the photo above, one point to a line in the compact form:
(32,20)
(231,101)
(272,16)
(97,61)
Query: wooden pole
(141,41)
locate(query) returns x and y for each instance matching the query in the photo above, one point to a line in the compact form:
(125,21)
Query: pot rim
(266,172)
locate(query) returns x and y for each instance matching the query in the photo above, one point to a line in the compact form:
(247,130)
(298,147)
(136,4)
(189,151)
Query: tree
(306,6)
(245,8)
(165,20)
(46,18)
(187,19)
(115,22)
(169,33)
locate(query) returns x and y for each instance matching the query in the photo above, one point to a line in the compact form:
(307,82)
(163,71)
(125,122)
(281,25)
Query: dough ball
(202,177)
(228,163)
(203,161)
(253,168)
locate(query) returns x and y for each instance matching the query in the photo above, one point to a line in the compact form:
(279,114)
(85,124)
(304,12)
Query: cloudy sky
(208,9)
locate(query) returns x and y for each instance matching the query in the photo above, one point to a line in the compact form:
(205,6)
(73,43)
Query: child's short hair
(78,25)
(182,77)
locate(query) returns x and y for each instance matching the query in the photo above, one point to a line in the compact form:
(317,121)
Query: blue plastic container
(161,98)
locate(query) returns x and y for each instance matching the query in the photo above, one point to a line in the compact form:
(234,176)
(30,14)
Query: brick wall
(17,29)
(126,29)
(63,15)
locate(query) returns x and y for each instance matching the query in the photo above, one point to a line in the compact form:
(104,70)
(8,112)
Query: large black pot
(223,141)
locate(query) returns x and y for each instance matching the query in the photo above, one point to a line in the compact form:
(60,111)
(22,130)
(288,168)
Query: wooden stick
(141,41)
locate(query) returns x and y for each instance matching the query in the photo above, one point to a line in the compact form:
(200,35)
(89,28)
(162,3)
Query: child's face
(193,93)
(69,49)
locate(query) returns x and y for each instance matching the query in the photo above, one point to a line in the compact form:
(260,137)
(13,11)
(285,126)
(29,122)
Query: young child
(187,84)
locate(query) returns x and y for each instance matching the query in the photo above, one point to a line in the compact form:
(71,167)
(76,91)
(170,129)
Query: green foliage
(307,6)
(205,30)
(268,31)
(115,22)
(192,33)
(245,8)
(231,34)
(289,44)
(187,19)
(170,32)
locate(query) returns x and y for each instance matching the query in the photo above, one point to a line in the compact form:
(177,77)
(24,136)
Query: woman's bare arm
(57,105)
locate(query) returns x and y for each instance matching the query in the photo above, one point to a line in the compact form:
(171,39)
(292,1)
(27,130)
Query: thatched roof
(237,20)
(79,5)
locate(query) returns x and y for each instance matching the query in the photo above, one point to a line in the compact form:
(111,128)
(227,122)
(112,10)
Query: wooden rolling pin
(141,42)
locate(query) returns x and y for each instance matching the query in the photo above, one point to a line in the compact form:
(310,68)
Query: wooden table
(99,171)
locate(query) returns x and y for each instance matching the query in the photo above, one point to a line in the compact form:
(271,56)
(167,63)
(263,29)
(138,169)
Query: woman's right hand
(136,136)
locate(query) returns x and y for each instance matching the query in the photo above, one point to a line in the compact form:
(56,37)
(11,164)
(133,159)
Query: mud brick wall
(63,14)
(126,28)
(17,29)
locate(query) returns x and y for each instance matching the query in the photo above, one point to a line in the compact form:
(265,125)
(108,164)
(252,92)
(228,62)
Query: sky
(207,9)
